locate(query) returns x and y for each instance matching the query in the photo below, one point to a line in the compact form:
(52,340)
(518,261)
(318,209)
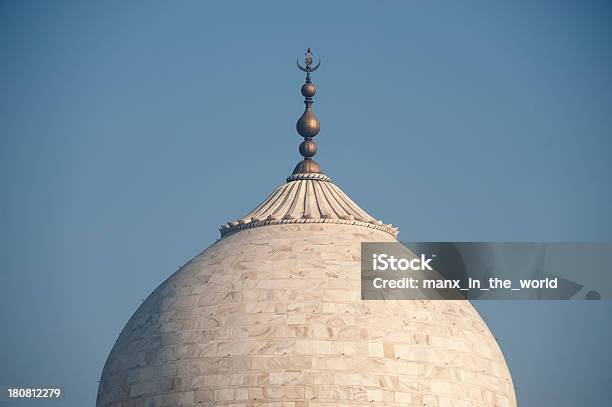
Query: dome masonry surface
(271,315)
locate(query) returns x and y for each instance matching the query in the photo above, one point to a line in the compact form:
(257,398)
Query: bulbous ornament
(308,148)
(308,90)
(308,125)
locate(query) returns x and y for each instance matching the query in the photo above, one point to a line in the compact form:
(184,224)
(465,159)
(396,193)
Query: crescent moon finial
(308,62)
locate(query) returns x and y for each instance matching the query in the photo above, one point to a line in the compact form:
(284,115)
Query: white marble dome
(271,315)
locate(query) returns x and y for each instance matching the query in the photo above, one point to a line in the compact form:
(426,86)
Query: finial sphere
(308,90)
(308,148)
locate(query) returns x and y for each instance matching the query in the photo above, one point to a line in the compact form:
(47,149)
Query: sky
(129,131)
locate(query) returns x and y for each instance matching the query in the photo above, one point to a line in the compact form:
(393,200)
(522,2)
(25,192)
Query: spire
(309,196)
(308,125)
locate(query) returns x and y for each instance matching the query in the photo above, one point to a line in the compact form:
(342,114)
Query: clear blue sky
(129,131)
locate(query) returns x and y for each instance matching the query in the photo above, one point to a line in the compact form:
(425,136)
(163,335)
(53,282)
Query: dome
(271,315)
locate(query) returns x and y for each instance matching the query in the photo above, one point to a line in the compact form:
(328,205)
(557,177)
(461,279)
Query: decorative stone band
(310,175)
(308,198)
(393,231)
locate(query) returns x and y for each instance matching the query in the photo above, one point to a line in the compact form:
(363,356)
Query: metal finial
(308,62)
(308,125)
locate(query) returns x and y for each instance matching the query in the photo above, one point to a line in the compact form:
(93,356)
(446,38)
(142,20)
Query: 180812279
(32,393)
